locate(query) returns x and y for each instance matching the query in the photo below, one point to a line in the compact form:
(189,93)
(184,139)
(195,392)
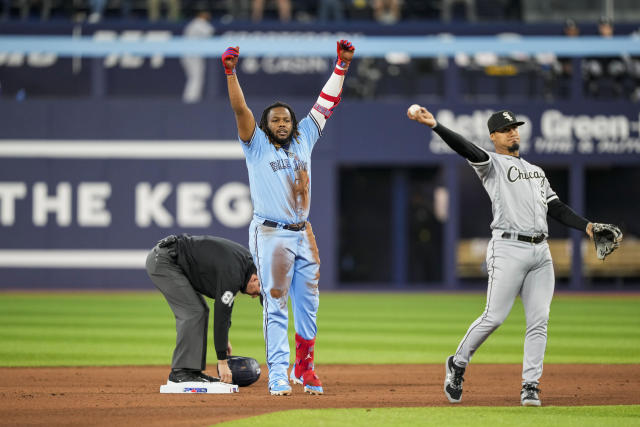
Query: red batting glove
(230,60)
(345,53)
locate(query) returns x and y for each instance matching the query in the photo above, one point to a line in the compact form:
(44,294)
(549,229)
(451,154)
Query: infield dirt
(101,396)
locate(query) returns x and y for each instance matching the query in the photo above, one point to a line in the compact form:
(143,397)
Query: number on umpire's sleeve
(227,298)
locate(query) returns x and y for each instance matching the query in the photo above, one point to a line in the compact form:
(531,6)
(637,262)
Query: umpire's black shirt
(217,268)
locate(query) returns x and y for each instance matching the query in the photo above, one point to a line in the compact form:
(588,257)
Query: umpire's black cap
(502,119)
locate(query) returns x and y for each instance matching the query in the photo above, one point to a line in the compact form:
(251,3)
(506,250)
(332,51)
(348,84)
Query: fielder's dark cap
(502,119)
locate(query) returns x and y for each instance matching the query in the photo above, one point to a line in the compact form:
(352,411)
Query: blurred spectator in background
(237,10)
(570,28)
(195,66)
(25,8)
(605,27)
(97,10)
(173,12)
(511,9)
(633,70)
(284,10)
(447,5)
(125,8)
(368,72)
(330,10)
(556,72)
(603,76)
(387,11)
(360,10)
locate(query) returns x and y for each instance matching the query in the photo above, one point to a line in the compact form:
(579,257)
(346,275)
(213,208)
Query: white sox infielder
(518,257)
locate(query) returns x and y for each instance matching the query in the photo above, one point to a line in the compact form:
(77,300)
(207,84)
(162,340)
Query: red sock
(304,355)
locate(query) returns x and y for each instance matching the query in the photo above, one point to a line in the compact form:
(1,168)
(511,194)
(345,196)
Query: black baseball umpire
(184,268)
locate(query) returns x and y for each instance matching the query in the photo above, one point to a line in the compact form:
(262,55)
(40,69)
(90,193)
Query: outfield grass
(93,329)
(595,416)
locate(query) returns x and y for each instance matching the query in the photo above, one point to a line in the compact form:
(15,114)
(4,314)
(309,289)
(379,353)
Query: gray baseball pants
(515,268)
(189,308)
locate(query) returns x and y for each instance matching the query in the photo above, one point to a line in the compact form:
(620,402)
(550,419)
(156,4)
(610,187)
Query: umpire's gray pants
(515,267)
(189,308)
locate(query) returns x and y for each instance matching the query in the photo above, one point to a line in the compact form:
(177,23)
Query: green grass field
(73,329)
(93,329)
(594,416)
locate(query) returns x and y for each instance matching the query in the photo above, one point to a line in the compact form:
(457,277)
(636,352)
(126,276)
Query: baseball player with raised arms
(518,257)
(281,240)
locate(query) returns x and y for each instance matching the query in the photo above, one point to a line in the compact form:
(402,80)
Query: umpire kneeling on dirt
(184,268)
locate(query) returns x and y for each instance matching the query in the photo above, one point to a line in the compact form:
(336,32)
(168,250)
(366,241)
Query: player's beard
(514,147)
(280,141)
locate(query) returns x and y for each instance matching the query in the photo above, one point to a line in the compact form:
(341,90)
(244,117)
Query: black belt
(293,227)
(524,238)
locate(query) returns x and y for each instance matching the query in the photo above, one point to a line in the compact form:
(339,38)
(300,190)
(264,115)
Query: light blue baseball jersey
(280,179)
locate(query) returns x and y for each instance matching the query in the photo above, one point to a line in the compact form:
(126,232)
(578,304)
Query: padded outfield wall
(99,159)
(101,180)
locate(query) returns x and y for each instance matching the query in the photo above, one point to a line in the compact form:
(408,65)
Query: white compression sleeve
(329,97)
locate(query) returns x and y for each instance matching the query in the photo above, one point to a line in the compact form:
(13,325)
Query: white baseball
(414,109)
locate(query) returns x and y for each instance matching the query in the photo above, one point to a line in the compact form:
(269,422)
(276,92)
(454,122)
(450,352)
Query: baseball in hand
(413,109)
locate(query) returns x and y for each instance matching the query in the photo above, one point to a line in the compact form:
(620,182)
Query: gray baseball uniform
(518,257)
(184,268)
(519,193)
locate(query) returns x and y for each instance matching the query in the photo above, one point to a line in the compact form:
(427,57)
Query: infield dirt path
(123,396)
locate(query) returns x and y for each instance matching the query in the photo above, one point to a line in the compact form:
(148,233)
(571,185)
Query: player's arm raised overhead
(244,117)
(330,95)
(457,142)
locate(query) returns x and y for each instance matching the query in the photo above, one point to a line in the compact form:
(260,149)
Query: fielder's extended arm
(461,145)
(330,95)
(457,142)
(565,215)
(244,117)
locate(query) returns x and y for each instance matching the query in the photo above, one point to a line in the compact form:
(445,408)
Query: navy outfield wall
(83,216)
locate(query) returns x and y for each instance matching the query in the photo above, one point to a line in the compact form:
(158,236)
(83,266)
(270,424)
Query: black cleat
(453,381)
(529,395)
(187,376)
(208,378)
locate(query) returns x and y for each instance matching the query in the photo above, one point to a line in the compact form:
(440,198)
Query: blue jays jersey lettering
(280,178)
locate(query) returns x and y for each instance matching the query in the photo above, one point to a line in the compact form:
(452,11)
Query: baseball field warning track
(130,395)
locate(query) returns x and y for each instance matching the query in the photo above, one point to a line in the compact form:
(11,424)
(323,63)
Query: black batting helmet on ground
(244,370)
